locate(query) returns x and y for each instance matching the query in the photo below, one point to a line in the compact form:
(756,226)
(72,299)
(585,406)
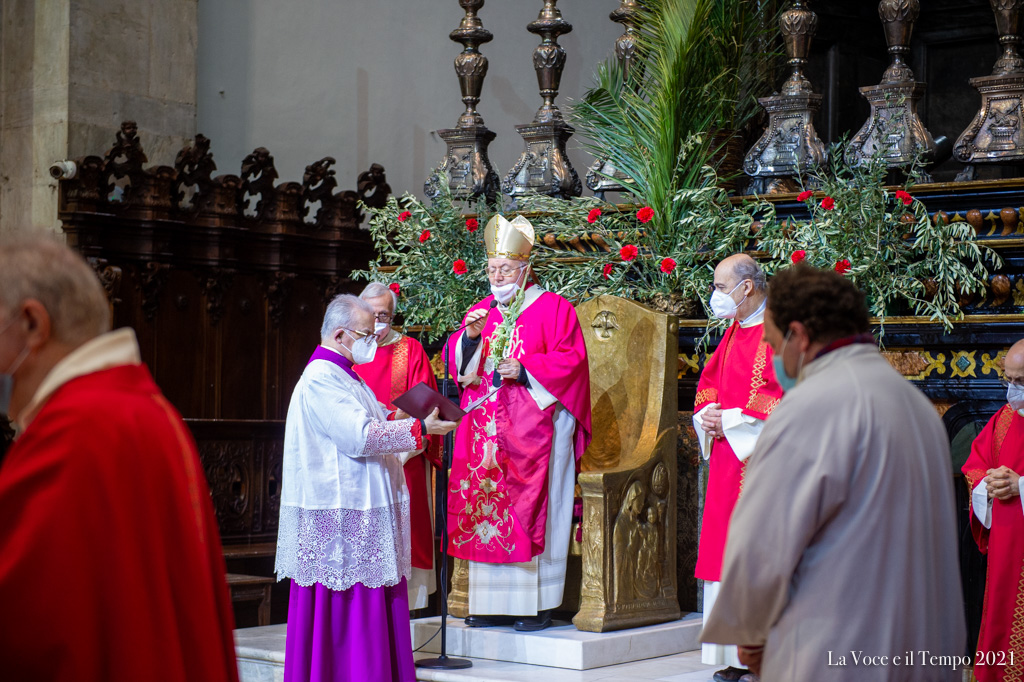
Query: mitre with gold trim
(508,238)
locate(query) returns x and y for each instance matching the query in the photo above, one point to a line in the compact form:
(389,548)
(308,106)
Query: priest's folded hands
(1002,483)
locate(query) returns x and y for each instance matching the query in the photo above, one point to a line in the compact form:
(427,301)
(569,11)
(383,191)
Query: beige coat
(843,544)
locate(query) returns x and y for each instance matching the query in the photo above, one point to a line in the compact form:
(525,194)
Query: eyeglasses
(358,334)
(384,317)
(504,271)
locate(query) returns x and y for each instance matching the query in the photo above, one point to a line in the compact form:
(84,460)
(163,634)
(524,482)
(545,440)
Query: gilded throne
(628,478)
(624,575)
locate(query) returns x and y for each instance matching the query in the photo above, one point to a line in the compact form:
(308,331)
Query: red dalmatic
(111,568)
(1001,640)
(395,369)
(738,374)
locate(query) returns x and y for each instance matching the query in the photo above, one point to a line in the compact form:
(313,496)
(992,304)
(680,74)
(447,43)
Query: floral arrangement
(884,240)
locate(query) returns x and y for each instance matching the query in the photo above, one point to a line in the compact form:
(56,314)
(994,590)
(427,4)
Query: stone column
(70,72)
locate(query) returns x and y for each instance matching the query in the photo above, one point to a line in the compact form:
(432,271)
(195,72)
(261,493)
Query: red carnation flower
(842,266)
(645,214)
(798,256)
(667,265)
(628,252)
(472,224)
(607,271)
(396,287)
(594,214)
(424,236)
(904,197)
(805,195)
(459,267)
(828,203)
(403,216)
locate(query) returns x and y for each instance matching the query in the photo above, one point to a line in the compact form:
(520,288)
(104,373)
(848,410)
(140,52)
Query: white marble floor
(678,668)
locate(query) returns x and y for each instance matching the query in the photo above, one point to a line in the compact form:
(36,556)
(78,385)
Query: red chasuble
(395,369)
(498,495)
(738,374)
(1001,443)
(110,560)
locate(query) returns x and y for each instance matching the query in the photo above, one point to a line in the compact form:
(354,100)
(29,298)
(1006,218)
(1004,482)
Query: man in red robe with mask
(997,522)
(736,393)
(110,560)
(400,364)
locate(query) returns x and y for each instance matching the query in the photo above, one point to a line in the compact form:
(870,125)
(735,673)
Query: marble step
(562,645)
(260,650)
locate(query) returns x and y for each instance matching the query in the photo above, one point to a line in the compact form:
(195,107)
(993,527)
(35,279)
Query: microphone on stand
(443,661)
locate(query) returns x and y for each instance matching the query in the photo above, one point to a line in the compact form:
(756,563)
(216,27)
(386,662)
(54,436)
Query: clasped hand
(509,368)
(1002,483)
(711,421)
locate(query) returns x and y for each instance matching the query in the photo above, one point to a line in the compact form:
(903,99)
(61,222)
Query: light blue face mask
(786,382)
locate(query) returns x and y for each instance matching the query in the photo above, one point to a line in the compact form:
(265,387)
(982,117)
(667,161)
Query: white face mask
(379,328)
(723,306)
(505,292)
(363,350)
(1015,396)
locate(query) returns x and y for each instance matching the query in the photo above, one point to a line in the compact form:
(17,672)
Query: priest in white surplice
(841,561)
(344,535)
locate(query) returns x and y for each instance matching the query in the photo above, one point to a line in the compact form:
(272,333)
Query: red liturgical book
(420,400)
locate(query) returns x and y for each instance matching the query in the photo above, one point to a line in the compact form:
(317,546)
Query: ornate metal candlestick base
(895,129)
(544,165)
(790,146)
(994,136)
(466,163)
(603,176)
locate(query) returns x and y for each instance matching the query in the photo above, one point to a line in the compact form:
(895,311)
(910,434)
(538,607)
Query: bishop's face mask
(7,377)
(722,304)
(505,292)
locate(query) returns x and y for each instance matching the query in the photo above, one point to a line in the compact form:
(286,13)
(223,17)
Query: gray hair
(340,313)
(378,290)
(46,270)
(749,269)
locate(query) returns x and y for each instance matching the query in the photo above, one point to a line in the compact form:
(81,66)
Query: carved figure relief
(605,325)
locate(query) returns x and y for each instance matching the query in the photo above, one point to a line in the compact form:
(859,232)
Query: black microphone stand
(444,662)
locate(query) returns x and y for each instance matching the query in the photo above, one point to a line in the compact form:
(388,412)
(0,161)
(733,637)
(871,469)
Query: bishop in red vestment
(400,364)
(997,522)
(110,560)
(736,393)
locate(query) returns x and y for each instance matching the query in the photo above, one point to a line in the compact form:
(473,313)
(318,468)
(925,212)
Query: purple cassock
(344,535)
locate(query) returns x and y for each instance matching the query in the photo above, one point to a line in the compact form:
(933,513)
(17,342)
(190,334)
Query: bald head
(740,277)
(1013,365)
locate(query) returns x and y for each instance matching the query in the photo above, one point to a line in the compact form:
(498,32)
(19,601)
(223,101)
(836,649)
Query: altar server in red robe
(110,560)
(997,521)
(400,364)
(736,393)
(510,498)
